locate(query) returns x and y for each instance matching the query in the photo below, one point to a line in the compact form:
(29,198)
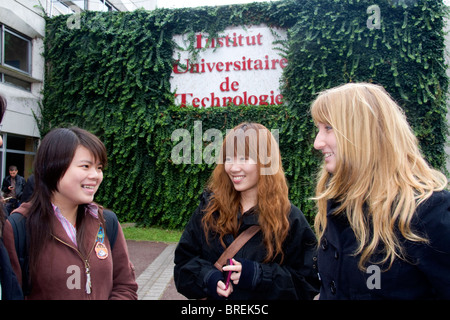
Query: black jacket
(296,278)
(11,289)
(20,184)
(426,275)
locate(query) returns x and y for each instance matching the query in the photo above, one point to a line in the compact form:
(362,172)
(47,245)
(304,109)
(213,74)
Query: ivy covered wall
(110,74)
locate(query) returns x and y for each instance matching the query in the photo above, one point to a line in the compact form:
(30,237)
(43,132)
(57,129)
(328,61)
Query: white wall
(24,17)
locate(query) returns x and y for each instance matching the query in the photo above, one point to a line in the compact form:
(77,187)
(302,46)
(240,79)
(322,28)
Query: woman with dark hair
(247,188)
(70,256)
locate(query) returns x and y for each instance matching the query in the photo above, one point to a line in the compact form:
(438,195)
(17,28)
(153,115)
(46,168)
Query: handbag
(237,244)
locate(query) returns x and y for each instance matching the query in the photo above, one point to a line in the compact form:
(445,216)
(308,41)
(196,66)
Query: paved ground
(153,262)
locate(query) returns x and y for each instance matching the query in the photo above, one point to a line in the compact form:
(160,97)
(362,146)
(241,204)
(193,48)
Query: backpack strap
(111,226)
(237,244)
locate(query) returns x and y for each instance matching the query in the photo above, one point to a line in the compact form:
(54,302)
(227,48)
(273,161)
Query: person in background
(70,255)
(12,188)
(383,218)
(247,187)
(28,189)
(9,284)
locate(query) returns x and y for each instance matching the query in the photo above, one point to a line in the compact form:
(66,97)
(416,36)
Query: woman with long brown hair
(247,187)
(383,217)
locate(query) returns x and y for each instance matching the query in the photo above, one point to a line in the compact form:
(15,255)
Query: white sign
(242,66)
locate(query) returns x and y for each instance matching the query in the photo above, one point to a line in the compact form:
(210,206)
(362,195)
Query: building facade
(21,81)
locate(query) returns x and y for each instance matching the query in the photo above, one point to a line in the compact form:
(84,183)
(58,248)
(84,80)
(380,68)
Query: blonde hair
(380,177)
(273,206)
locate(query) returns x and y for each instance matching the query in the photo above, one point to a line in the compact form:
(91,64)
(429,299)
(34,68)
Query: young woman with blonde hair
(383,219)
(247,187)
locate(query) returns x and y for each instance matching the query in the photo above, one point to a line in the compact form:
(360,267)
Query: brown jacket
(62,271)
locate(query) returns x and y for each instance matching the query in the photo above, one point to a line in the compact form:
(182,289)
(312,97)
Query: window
(18,151)
(15,58)
(17,51)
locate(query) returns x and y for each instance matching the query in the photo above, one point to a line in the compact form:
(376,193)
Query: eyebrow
(89,162)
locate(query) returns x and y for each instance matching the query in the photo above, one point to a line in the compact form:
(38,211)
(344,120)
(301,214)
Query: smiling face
(243,173)
(81,180)
(326,143)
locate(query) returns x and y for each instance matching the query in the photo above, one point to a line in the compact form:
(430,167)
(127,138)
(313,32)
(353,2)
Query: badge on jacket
(100,248)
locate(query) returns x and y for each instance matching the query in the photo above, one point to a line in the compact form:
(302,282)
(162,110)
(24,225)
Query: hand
(221,289)
(236,269)
(11,188)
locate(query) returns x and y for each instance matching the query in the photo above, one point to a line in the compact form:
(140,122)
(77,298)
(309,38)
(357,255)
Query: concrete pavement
(153,262)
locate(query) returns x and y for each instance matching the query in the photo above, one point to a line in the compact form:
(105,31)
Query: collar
(70,229)
(91,208)
(250,217)
(332,206)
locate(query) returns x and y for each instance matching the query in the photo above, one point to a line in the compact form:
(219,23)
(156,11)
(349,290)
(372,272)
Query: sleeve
(5,186)
(11,290)
(296,277)
(124,283)
(19,191)
(434,257)
(8,239)
(195,277)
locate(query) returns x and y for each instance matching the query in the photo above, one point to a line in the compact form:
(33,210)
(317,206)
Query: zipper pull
(88,281)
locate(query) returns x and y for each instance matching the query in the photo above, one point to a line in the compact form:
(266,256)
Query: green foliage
(331,44)
(111,76)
